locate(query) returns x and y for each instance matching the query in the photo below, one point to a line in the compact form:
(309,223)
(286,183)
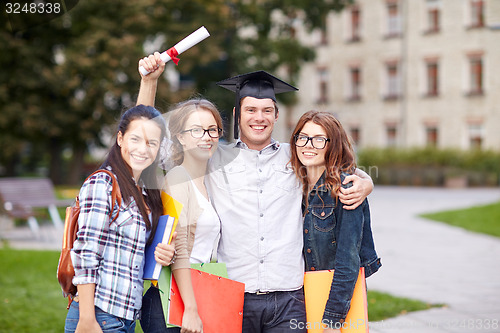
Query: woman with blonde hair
(195,128)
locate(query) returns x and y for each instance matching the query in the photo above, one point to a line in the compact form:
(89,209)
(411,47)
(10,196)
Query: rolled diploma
(187,43)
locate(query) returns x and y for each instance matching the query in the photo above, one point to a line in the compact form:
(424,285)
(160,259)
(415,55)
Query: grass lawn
(484,219)
(30,296)
(31,299)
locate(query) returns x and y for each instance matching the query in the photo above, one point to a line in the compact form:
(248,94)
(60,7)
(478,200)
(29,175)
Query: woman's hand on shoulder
(165,253)
(354,196)
(154,65)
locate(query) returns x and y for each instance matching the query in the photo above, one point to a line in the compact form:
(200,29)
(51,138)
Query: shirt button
(260,170)
(261,214)
(262,261)
(262,238)
(306,231)
(260,191)
(308,250)
(322,213)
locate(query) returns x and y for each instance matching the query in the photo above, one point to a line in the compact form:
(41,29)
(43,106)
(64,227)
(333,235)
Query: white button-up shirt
(258,199)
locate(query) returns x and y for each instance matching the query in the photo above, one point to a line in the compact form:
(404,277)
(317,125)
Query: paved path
(424,260)
(434,262)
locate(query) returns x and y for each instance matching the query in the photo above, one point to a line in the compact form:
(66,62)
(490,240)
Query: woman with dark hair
(334,238)
(108,253)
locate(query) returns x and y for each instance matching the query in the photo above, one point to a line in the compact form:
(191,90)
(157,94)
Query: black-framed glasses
(317,142)
(198,132)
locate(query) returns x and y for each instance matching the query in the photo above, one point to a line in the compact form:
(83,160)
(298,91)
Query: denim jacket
(340,239)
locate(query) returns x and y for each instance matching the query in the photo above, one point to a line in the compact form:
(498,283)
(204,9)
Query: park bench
(20,196)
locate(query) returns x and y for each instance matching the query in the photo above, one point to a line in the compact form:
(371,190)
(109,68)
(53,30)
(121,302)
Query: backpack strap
(116,194)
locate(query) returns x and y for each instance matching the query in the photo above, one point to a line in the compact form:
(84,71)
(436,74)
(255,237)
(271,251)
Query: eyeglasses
(198,132)
(317,142)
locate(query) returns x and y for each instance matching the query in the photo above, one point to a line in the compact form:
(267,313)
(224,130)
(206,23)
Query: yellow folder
(171,207)
(317,286)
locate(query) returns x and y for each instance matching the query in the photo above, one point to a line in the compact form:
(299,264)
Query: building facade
(407,73)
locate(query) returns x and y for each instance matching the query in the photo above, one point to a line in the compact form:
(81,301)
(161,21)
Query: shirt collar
(320,184)
(274,145)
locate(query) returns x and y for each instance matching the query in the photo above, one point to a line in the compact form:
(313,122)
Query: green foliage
(484,219)
(477,160)
(430,166)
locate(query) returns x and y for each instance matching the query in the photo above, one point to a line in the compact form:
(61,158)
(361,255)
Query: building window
(433,16)
(393,81)
(391,135)
(475,135)
(433,19)
(323,86)
(431,134)
(355,24)
(355,80)
(477,13)
(393,19)
(476,74)
(354,132)
(324,36)
(432,69)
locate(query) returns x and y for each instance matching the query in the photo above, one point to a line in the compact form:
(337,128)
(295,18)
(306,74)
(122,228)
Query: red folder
(219,301)
(317,287)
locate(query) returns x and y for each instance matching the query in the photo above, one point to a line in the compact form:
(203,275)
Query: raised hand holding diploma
(183,45)
(152,65)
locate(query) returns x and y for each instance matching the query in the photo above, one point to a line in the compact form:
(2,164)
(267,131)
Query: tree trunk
(76,166)
(55,162)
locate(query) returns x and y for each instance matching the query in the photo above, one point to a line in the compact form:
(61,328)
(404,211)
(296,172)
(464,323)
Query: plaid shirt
(110,255)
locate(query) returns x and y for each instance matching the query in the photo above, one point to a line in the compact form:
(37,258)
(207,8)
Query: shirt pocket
(126,220)
(285,178)
(231,178)
(323,218)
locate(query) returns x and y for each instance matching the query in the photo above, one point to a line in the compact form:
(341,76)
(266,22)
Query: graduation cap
(258,84)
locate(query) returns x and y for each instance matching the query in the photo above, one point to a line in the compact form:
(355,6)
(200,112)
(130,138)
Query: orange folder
(219,300)
(317,286)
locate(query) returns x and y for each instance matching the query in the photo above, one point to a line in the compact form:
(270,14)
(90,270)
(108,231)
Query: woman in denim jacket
(334,238)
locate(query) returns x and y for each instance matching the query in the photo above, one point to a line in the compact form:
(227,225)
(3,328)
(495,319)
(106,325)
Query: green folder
(164,282)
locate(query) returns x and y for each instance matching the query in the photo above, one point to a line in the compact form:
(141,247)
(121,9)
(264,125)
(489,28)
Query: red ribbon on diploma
(172,53)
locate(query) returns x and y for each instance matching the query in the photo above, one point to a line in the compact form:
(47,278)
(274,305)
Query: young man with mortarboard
(258,199)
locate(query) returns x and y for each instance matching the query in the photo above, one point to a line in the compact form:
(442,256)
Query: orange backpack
(65,270)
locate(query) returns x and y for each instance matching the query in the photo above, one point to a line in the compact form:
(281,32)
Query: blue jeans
(152,317)
(276,312)
(108,322)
